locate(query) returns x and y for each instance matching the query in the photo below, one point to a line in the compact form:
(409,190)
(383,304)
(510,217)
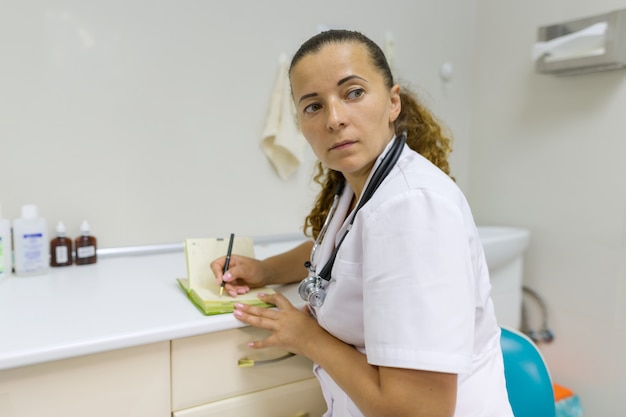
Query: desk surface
(119,302)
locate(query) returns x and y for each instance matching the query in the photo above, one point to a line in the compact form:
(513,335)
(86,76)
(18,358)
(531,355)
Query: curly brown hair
(425,134)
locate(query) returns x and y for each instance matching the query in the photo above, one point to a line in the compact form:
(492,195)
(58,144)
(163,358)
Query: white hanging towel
(282,141)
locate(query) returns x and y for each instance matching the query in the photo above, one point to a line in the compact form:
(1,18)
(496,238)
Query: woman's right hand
(243,274)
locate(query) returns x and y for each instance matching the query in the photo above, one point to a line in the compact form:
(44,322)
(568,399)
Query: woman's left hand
(291,328)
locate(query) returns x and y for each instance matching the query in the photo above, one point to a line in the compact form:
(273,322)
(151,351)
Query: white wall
(144,117)
(547,153)
(123,111)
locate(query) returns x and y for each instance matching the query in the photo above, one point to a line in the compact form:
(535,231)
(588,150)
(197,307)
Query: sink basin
(502,244)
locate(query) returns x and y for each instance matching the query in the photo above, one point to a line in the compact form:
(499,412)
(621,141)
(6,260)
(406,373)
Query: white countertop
(119,302)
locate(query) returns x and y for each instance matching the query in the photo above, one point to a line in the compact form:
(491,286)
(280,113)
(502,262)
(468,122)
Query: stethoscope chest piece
(311,290)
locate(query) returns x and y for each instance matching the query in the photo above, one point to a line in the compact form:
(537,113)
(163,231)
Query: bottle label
(33,252)
(62,254)
(86,251)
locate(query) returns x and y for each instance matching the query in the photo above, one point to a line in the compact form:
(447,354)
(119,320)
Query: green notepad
(200,284)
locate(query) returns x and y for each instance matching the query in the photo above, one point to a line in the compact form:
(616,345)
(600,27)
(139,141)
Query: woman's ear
(395,103)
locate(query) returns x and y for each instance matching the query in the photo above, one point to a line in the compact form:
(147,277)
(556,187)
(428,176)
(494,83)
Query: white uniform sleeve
(418,284)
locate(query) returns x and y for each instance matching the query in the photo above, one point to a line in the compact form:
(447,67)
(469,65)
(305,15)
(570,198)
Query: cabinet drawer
(298,399)
(131,382)
(205,368)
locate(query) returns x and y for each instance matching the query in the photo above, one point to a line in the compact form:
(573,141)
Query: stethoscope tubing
(381,172)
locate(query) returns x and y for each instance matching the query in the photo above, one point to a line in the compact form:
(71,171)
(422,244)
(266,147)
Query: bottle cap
(84,228)
(29,211)
(60,229)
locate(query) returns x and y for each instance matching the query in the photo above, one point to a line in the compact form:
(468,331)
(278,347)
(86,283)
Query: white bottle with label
(6,255)
(30,242)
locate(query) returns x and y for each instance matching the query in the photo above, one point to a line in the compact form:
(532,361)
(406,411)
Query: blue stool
(527,379)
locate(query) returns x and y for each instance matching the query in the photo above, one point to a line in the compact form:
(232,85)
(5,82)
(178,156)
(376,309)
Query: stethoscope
(311,288)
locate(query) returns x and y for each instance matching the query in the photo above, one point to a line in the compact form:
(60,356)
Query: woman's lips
(342,145)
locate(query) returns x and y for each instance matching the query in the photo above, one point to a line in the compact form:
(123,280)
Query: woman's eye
(312,108)
(356,93)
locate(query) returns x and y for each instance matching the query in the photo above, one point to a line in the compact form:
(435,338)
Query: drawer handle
(303,414)
(249,363)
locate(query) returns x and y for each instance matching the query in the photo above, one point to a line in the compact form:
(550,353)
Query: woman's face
(344,109)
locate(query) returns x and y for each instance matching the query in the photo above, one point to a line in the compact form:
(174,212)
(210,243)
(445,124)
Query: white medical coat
(410,288)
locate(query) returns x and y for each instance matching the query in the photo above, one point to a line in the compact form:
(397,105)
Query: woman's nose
(335,115)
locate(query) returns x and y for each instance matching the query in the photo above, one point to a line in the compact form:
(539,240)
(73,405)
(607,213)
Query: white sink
(502,244)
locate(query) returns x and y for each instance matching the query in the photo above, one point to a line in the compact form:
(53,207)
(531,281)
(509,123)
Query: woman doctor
(404,324)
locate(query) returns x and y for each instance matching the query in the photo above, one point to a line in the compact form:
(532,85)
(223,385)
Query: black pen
(227,263)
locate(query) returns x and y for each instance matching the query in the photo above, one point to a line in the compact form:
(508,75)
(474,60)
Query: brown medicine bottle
(86,246)
(61,248)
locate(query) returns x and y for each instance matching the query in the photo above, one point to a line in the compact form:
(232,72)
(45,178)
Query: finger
(234,290)
(217,266)
(257,316)
(262,312)
(235,271)
(247,316)
(227,276)
(277,299)
(262,344)
(230,279)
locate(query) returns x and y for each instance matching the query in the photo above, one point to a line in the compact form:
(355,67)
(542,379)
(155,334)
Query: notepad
(201,286)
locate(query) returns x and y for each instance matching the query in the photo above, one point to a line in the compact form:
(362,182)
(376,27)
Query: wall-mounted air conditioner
(592,44)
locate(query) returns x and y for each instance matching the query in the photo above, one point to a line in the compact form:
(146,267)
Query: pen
(227,263)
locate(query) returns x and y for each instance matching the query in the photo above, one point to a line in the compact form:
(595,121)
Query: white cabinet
(207,381)
(297,399)
(196,376)
(132,382)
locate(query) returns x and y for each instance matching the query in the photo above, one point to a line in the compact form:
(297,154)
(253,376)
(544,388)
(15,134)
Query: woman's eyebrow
(342,81)
(348,78)
(307,96)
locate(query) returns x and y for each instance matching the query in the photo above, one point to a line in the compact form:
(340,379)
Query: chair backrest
(528,381)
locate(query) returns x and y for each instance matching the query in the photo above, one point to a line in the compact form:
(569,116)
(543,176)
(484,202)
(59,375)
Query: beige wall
(144,117)
(131,132)
(548,154)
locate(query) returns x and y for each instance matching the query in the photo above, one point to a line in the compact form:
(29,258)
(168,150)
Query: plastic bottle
(86,246)
(30,242)
(6,255)
(61,248)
